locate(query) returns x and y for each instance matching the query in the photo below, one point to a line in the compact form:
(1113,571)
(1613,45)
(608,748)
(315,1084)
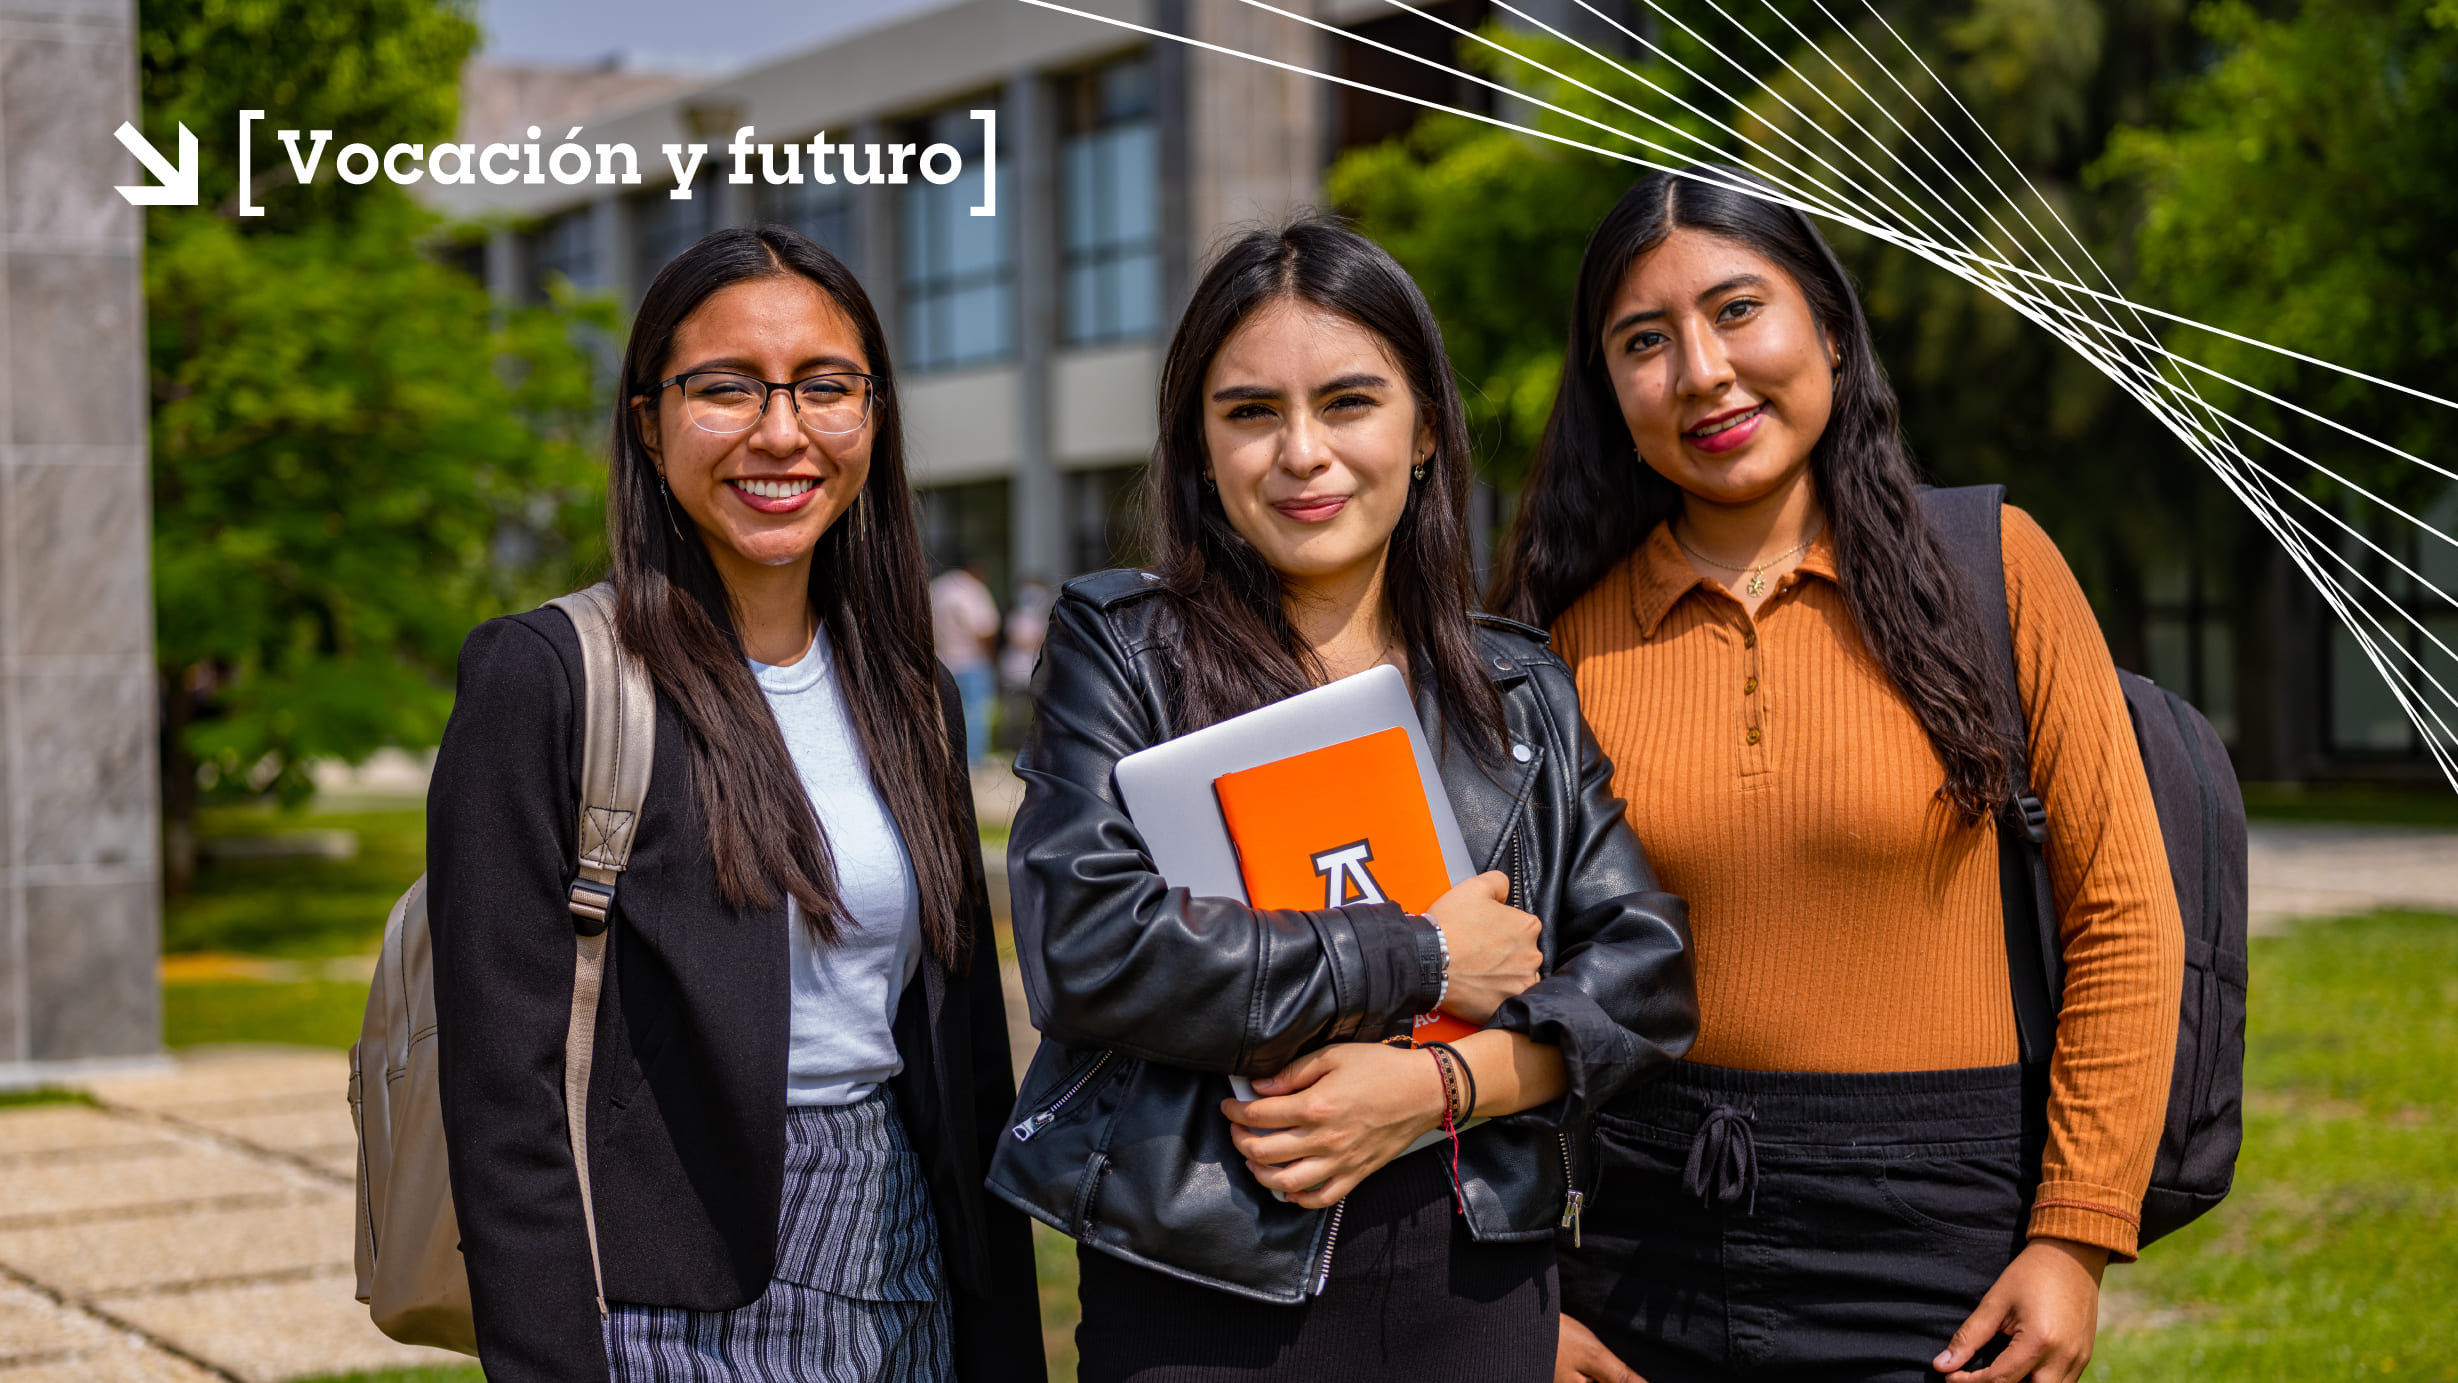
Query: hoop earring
(1418,471)
(1209,483)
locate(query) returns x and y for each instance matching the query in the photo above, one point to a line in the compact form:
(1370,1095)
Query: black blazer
(687,1095)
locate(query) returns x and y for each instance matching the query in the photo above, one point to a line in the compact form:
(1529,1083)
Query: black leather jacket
(1147,997)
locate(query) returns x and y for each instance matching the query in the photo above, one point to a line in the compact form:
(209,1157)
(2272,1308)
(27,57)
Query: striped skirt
(859,1288)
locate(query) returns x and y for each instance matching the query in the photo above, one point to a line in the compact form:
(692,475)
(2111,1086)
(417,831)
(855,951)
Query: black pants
(1412,1298)
(1798,1226)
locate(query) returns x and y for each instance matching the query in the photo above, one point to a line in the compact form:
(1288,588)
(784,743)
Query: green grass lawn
(299,908)
(2336,1257)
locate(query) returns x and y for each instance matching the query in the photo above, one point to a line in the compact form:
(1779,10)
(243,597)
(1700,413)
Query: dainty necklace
(1757,584)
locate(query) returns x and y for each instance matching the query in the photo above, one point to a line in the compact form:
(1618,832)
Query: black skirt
(1799,1226)
(1411,1297)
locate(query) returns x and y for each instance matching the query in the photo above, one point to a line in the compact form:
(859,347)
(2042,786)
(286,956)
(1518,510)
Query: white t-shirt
(842,1041)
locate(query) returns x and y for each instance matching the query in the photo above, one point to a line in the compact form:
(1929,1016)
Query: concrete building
(1027,344)
(80,916)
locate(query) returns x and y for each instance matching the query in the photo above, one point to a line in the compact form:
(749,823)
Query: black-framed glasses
(727,402)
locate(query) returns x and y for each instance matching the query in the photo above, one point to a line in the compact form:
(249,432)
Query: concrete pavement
(192,1225)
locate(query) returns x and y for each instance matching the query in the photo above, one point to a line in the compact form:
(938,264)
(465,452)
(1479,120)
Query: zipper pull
(1024,1132)
(1571,1210)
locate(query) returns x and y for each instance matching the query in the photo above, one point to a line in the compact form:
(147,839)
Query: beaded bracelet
(1448,1065)
(1467,1075)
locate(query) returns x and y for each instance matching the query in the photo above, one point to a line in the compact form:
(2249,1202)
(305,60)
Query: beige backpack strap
(619,735)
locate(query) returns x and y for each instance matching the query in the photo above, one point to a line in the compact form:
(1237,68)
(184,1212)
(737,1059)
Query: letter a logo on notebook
(1345,876)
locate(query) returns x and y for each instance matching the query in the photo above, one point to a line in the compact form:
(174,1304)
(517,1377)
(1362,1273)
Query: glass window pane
(1139,294)
(2216,696)
(2364,715)
(2167,648)
(1136,194)
(1076,173)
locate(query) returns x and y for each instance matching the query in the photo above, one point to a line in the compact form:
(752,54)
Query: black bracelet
(1465,1074)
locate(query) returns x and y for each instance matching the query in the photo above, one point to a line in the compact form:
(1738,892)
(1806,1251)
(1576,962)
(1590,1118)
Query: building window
(819,210)
(565,247)
(664,227)
(1109,173)
(2365,716)
(967,525)
(2188,645)
(1105,509)
(959,273)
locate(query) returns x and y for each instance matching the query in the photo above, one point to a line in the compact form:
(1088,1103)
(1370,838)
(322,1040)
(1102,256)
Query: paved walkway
(2328,870)
(194,1225)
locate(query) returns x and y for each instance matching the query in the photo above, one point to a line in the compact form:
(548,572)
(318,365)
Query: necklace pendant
(1757,584)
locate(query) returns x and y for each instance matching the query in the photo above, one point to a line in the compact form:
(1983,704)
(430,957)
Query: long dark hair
(1590,500)
(1240,651)
(868,586)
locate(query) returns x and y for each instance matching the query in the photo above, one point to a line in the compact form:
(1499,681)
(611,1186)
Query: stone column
(1037,516)
(80,816)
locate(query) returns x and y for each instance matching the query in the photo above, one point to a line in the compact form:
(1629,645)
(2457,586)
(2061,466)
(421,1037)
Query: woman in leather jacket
(1309,513)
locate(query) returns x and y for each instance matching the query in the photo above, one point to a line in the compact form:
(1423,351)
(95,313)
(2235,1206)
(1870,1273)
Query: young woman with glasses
(801,1056)
(1309,509)
(1722,531)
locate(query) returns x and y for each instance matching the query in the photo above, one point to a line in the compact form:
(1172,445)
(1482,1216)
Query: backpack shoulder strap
(618,739)
(1968,523)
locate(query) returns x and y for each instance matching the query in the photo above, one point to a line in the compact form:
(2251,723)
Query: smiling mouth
(775,489)
(1311,510)
(1727,424)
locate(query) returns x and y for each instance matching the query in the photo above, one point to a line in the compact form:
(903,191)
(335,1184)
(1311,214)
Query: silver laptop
(1168,791)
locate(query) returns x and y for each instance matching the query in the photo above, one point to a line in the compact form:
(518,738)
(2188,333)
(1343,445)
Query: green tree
(356,456)
(2301,194)
(1987,395)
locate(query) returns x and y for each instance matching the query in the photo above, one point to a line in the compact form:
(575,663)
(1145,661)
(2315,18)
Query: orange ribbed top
(1845,918)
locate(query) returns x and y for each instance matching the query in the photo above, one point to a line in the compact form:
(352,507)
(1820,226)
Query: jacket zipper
(1322,1266)
(1574,1204)
(1024,1131)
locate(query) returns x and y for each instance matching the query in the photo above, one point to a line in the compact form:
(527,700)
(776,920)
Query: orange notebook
(1347,823)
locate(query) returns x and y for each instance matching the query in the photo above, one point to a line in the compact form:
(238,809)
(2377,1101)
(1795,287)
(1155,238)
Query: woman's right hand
(1495,950)
(1582,1358)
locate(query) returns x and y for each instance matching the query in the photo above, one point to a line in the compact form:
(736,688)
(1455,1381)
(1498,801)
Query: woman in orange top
(1722,532)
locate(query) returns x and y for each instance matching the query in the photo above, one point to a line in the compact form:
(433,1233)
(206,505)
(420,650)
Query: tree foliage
(1492,222)
(356,455)
(2302,195)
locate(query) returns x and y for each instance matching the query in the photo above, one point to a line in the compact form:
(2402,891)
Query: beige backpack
(410,1272)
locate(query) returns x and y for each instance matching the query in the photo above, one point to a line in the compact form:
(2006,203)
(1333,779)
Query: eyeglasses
(727,403)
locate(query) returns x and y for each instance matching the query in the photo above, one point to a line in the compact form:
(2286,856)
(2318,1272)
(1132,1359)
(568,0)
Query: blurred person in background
(1028,623)
(964,623)
(802,1056)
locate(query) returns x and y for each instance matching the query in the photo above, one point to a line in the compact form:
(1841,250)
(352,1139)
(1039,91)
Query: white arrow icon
(178,184)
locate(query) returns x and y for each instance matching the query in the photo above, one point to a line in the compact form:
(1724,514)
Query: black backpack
(2202,822)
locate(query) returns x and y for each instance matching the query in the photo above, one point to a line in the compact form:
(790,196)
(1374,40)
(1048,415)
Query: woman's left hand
(2048,1301)
(1334,1116)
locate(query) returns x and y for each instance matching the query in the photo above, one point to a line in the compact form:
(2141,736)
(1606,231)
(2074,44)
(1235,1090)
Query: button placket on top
(1755,759)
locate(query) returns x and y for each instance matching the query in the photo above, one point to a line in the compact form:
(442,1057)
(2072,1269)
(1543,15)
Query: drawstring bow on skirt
(1723,1167)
